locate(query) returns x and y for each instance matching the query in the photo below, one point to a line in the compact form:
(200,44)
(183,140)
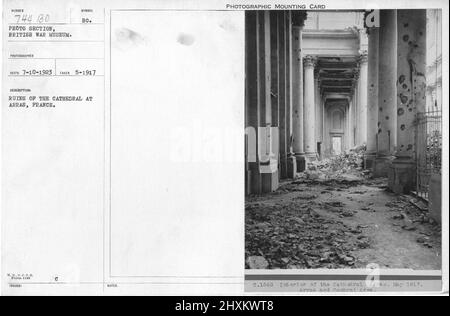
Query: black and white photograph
(343,139)
(230,154)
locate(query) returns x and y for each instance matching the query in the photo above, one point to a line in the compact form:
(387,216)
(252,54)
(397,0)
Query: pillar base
(248,187)
(402,175)
(259,183)
(269,182)
(253,184)
(381,166)
(301,162)
(310,157)
(291,167)
(435,197)
(369,160)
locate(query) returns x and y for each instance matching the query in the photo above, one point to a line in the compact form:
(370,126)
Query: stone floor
(345,222)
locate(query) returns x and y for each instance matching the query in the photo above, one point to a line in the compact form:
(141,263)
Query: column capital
(309,61)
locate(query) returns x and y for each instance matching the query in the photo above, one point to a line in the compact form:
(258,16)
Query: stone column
(350,121)
(291,160)
(297,98)
(274,56)
(253,176)
(282,93)
(411,95)
(355,107)
(262,171)
(320,123)
(309,109)
(318,103)
(387,92)
(362,102)
(266,136)
(347,126)
(372,99)
(287,158)
(356,110)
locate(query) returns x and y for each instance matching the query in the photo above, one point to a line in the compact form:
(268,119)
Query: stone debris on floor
(337,220)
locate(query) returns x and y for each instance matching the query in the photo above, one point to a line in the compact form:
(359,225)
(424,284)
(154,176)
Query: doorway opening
(336,145)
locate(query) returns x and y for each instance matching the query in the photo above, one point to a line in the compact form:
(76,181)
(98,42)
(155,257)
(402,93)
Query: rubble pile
(352,159)
(330,218)
(348,163)
(409,217)
(294,236)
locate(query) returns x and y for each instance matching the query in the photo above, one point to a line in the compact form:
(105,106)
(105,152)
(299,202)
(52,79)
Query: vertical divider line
(110,142)
(104,150)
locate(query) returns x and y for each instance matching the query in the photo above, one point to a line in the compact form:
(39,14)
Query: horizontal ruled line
(50,76)
(62,41)
(339,277)
(56,23)
(130,282)
(96,58)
